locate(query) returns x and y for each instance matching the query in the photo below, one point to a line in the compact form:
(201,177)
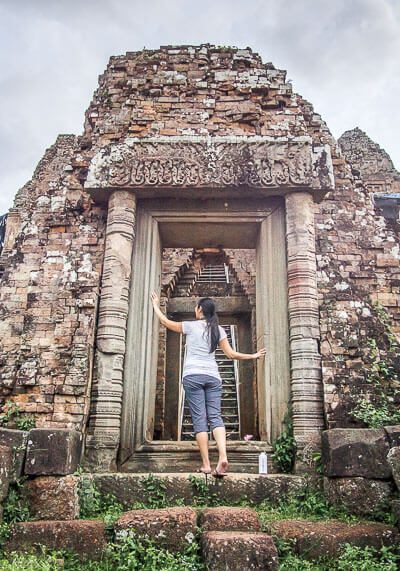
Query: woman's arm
(168,323)
(232,354)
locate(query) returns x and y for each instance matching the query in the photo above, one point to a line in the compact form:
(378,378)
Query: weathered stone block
(256,488)
(359,496)
(173,528)
(355,452)
(393,434)
(320,539)
(394,461)
(53,452)
(239,551)
(5,470)
(230,519)
(52,497)
(85,537)
(16,440)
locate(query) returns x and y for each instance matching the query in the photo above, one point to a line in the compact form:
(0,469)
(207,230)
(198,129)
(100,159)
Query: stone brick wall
(49,292)
(191,91)
(358,266)
(52,260)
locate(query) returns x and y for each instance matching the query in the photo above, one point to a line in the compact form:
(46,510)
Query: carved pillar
(105,415)
(307,394)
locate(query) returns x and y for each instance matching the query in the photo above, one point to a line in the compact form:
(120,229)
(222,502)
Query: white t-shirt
(198,359)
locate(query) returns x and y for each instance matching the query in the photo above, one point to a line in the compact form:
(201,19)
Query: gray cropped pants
(203,396)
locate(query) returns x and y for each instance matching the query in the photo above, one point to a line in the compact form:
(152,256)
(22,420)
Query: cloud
(342,56)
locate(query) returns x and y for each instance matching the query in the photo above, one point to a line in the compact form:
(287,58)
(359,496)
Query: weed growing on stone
(380,406)
(202,494)
(308,503)
(155,492)
(375,415)
(15,508)
(94,505)
(284,447)
(12,417)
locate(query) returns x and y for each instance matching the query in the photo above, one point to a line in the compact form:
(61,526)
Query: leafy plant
(13,417)
(317,461)
(284,447)
(154,491)
(378,408)
(375,415)
(129,553)
(368,559)
(24,562)
(15,507)
(202,494)
(93,504)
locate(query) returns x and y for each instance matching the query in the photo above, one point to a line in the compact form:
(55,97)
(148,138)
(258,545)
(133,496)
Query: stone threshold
(166,456)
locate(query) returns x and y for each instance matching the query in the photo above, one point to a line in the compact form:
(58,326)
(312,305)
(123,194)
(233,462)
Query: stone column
(106,401)
(306,383)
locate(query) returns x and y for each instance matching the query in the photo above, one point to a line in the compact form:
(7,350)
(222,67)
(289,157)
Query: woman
(201,379)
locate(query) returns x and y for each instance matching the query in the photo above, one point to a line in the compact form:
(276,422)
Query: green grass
(133,554)
(350,559)
(129,554)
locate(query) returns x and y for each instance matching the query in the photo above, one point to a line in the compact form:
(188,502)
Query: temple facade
(200,172)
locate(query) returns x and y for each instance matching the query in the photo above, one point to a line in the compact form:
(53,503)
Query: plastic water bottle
(263,463)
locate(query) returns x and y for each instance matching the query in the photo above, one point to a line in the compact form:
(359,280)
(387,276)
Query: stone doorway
(257,225)
(230,192)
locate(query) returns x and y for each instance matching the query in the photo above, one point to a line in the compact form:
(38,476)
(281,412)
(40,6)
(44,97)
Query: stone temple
(199,172)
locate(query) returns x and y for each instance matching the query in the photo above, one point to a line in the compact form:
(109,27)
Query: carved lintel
(212,162)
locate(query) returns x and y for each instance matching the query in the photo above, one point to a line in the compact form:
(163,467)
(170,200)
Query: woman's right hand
(154,299)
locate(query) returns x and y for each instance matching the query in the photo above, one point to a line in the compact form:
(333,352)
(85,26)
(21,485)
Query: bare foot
(204,470)
(221,469)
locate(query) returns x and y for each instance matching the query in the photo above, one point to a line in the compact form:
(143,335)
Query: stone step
(314,539)
(131,488)
(172,528)
(86,537)
(239,551)
(226,518)
(231,536)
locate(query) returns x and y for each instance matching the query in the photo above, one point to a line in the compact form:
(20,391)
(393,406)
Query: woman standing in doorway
(201,379)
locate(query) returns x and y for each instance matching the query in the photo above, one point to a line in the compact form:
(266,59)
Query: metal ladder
(230,403)
(214,273)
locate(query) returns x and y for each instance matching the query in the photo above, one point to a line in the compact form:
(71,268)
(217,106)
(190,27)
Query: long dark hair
(208,307)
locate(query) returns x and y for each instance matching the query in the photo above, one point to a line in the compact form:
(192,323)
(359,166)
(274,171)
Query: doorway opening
(216,273)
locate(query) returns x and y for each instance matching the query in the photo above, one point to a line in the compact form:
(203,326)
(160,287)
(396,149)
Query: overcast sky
(342,55)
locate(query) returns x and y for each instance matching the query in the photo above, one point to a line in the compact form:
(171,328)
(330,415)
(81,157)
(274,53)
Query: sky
(341,55)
